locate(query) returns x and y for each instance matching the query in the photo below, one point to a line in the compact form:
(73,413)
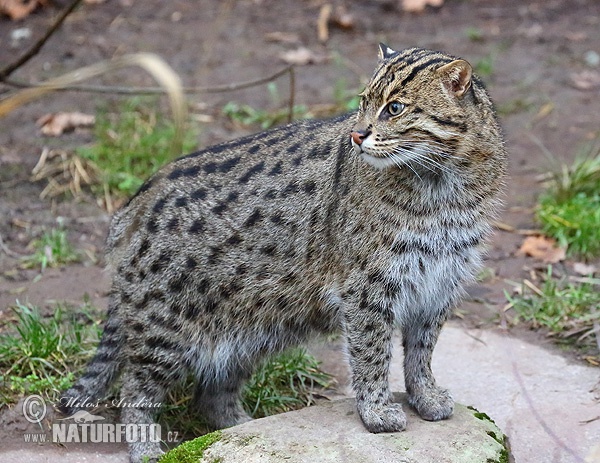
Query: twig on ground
(34,50)
(119,90)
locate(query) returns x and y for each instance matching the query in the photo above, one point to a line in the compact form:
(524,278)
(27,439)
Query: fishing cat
(361,223)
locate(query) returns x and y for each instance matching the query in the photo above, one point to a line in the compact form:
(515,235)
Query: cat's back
(228,194)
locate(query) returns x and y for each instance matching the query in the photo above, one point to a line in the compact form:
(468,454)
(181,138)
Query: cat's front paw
(383,418)
(433,404)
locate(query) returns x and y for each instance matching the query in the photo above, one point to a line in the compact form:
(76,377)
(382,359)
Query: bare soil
(535,50)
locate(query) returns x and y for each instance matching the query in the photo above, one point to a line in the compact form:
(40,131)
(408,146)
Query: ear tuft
(386,52)
(456,77)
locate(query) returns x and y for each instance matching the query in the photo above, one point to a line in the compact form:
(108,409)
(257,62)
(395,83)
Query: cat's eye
(394,108)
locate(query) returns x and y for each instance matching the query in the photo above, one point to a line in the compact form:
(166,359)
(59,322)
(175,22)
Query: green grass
(569,209)
(246,115)
(345,100)
(132,142)
(566,309)
(52,249)
(474,34)
(284,383)
(42,355)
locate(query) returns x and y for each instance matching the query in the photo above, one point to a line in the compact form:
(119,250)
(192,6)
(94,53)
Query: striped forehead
(399,70)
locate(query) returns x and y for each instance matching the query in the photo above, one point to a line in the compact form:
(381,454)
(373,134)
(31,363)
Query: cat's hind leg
(146,380)
(218,399)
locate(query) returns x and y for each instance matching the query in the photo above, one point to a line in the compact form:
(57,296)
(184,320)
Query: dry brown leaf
(417,6)
(56,124)
(301,56)
(586,80)
(343,18)
(542,247)
(18,9)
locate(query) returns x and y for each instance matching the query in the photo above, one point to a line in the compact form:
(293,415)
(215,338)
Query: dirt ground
(537,55)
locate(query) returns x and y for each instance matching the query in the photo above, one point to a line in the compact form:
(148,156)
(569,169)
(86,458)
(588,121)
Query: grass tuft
(41,355)
(284,383)
(569,210)
(52,249)
(567,309)
(131,144)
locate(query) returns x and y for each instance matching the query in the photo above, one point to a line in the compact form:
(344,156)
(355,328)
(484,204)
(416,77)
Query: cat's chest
(428,270)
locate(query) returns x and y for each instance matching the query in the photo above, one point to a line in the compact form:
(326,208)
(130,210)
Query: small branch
(292,94)
(34,50)
(118,90)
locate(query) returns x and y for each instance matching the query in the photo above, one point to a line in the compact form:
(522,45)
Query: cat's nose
(359,135)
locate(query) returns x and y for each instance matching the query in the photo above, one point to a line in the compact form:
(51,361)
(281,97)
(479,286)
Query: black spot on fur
(277,218)
(232,196)
(190,262)
(252,171)
(203,286)
(177,284)
(197,226)
(159,205)
(191,311)
(185,172)
(143,249)
(290,189)
(253,149)
(270,194)
(297,161)
(276,170)
(173,224)
(234,239)
(215,253)
(181,201)
(268,249)
(309,187)
(198,194)
(295,147)
(253,218)
(229,164)
(151,226)
(219,208)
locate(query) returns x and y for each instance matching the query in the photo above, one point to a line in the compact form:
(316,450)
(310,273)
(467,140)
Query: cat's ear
(386,52)
(456,77)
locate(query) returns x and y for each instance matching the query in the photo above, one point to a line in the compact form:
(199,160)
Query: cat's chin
(378,163)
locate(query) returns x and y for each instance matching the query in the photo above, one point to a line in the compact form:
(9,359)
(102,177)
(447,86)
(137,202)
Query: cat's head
(415,110)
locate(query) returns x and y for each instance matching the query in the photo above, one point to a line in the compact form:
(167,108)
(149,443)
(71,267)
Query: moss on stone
(191,451)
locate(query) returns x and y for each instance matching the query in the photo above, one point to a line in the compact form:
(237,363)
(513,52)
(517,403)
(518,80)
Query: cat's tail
(100,373)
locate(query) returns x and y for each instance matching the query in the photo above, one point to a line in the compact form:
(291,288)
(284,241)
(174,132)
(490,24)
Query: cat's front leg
(419,337)
(368,327)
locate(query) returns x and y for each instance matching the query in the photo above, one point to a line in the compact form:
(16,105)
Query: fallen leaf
(542,247)
(343,18)
(417,6)
(56,124)
(18,9)
(586,80)
(301,56)
(584,269)
(282,37)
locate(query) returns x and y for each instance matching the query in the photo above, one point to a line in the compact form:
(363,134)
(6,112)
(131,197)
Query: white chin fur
(378,163)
